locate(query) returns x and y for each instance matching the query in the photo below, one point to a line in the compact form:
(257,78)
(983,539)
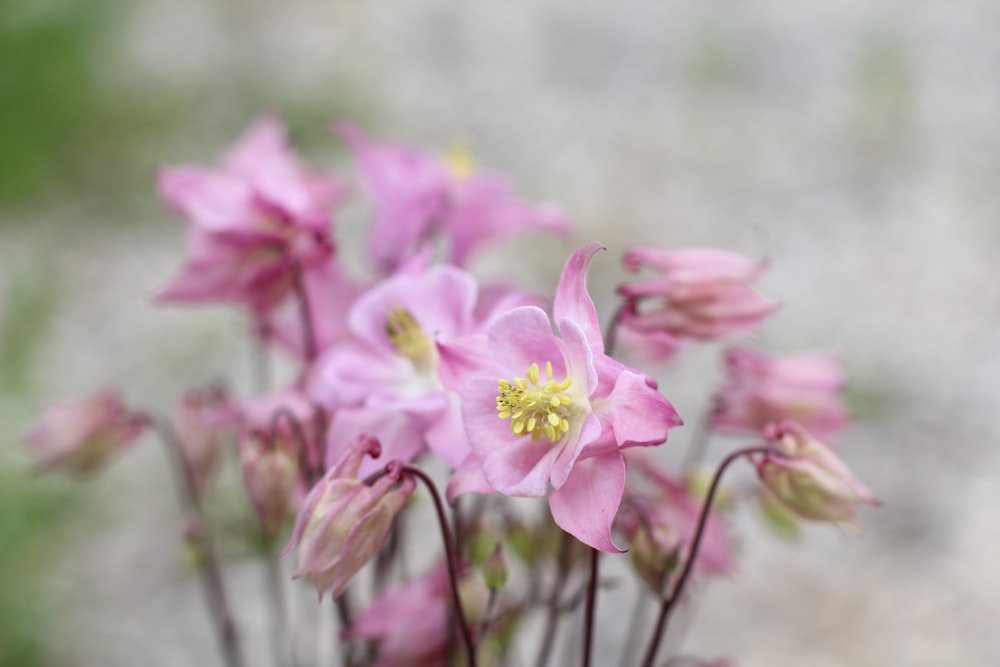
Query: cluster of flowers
(419,360)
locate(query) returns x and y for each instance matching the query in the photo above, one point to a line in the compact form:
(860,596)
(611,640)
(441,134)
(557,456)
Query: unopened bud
(495,569)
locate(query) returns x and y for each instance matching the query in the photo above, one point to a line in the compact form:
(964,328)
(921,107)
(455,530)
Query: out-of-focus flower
(483,208)
(386,380)
(254,224)
(805,475)
(762,390)
(84,435)
(417,194)
(698,294)
(343,522)
(204,423)
(545,409)
(662,522)
(409,623)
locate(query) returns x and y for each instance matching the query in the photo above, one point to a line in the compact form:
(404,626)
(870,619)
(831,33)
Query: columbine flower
(254,223)
(417,194)
(699,294)
(386,380)
(84,435)
(761,390)
(410,623)
(555,410)
(808,477)
(343,521)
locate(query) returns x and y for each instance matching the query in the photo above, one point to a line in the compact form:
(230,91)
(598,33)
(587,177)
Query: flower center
(408,338)
(459,162)
(534,408)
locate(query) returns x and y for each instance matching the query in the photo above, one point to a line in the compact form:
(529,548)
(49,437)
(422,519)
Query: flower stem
(310,348)
(452,560)
(590,609)
(209,569)
(670,601)
(611,334)
(284,654)
(552,618)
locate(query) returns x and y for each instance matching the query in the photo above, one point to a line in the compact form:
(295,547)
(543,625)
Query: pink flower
(417,194)
(483,207)
(409,622)
(254,223)
(663,522)
(699,294)
(762,389)
(547,409)
(386,380)
(343,522)
(84,435)
(808,477)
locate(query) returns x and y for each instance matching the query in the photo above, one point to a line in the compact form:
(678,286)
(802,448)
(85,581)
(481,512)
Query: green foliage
(62,128)
(29,306)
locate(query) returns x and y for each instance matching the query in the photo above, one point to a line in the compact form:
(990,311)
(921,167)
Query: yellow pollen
(459,162)
(534,408)
(405,333)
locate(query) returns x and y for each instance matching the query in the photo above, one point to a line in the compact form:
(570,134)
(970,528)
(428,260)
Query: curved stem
(307,457)
(210,569)
(588,616)
(671,600)
(611,334)
(452,559)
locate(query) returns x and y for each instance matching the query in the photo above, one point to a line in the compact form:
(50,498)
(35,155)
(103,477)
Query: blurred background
(856,145)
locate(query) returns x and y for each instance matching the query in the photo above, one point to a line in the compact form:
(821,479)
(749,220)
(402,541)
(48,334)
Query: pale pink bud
(805,475)
(84,435)
(343,521)
(762,389)
(205,423)
(700,294)
(270,477)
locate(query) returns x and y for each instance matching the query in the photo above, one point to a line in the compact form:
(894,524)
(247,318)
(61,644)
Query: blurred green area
(33,510)
(65,131)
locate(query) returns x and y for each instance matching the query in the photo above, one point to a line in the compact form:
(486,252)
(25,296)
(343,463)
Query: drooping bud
(495,569)
(84,435)
(805,475)
(270,473)
(343,521)
(204,424)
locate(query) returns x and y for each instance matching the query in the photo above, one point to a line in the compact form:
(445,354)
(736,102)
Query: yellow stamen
(459,162)
(535,408)
(406,335)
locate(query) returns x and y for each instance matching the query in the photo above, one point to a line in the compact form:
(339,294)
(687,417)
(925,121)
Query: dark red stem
(210,569)
(452,559)
(588,616)
(671,600)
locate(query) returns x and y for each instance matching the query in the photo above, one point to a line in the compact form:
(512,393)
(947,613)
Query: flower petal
(585,506)
(572,300)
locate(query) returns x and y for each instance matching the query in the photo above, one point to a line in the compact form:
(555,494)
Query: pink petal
(585,506)
(639,414)
(572,301)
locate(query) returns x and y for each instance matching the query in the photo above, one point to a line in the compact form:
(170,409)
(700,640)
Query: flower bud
(84,435)
(495,569)
(204,422)
(270,474)
(805,475)
(343,522)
